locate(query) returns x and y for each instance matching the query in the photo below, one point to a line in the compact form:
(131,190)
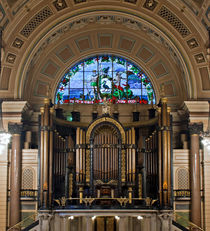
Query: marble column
(64,223)
(89,224)
(147,223)
(164,140)
(123,224)
(195,129)
(45,222)
(15,174)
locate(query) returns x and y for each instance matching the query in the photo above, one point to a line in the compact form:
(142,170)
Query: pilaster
(15,173)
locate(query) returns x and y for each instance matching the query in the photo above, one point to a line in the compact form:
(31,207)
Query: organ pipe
(41,154)
(51,155)
(77,154)
(169,151)
(165,151)
(160,156)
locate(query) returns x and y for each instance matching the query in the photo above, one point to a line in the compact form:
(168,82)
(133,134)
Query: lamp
(206,135)
(4,136)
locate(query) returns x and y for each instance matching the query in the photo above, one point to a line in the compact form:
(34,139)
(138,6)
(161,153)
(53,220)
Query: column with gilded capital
(164,144)
(45,150)
(195,129)
(15,174)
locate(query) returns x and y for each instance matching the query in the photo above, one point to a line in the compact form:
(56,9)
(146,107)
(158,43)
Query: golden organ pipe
(169,152)
(105,160)
(133,154)
(46,149)
(116,159)
(95,160)
(160,155)
(100,154)
(83,155)
(77,154)
(108,149)
(127,155)
(165,150)
(41,154)
(130,155)
(112,158)
(51,155)
(80,155)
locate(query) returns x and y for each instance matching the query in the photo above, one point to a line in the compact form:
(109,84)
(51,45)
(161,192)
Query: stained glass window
(113,77)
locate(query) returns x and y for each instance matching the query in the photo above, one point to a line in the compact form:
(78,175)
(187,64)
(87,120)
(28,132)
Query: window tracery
(105,76)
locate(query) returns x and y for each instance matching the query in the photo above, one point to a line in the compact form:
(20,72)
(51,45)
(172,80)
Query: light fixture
(206,135)
(139,217)
(93,218)
(60,3)
(71,218)
(4,136)
(117,218)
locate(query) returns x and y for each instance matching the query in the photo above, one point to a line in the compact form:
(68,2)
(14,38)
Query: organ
(104,162)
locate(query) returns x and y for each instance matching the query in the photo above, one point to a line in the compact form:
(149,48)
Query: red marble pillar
(15,174)
(195,129)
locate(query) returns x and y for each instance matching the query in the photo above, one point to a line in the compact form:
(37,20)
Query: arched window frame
(117,78)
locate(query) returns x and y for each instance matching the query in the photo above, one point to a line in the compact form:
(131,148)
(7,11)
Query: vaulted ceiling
(167,39)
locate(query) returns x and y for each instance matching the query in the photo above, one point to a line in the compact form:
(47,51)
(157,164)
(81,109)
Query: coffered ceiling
(167,39)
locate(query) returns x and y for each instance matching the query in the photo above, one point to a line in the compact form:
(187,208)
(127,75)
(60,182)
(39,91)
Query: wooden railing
(24,223)
(182,193)
(190,226)
(27,193)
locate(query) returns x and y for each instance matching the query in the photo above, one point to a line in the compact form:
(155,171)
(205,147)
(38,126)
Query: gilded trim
(101,120)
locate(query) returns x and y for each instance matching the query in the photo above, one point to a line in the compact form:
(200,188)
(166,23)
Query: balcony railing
(182,194)
(27,194)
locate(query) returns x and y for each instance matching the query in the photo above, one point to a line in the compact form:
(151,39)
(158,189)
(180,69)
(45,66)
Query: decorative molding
(40,17)
(11,58)
(200,58)
(171,18)
(150,4)
(60,5)
(2,13)
(79,1)
(192,43)
(106,19)
(15,128)
(195,128)
(131,1)
(101,120)
(17,43)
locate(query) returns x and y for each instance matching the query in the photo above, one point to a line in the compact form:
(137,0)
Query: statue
(106,108)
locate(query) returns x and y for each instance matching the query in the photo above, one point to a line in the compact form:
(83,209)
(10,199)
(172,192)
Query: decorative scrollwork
(87,165)
(123,165)
(88,201)
(122,201)
(105,119)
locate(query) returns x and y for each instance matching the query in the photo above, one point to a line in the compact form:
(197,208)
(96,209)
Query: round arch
(107,120)
(40,42)
(107,75)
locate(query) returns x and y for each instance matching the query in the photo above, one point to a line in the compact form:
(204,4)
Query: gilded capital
(46,101)
(195,128)
(164,100)
(15,128)
(42,109)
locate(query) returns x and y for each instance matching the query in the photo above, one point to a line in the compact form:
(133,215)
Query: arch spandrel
(49,79)
(101,120)
(60,21)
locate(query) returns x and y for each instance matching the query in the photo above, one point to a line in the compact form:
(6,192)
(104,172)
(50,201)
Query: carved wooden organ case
(105,163)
